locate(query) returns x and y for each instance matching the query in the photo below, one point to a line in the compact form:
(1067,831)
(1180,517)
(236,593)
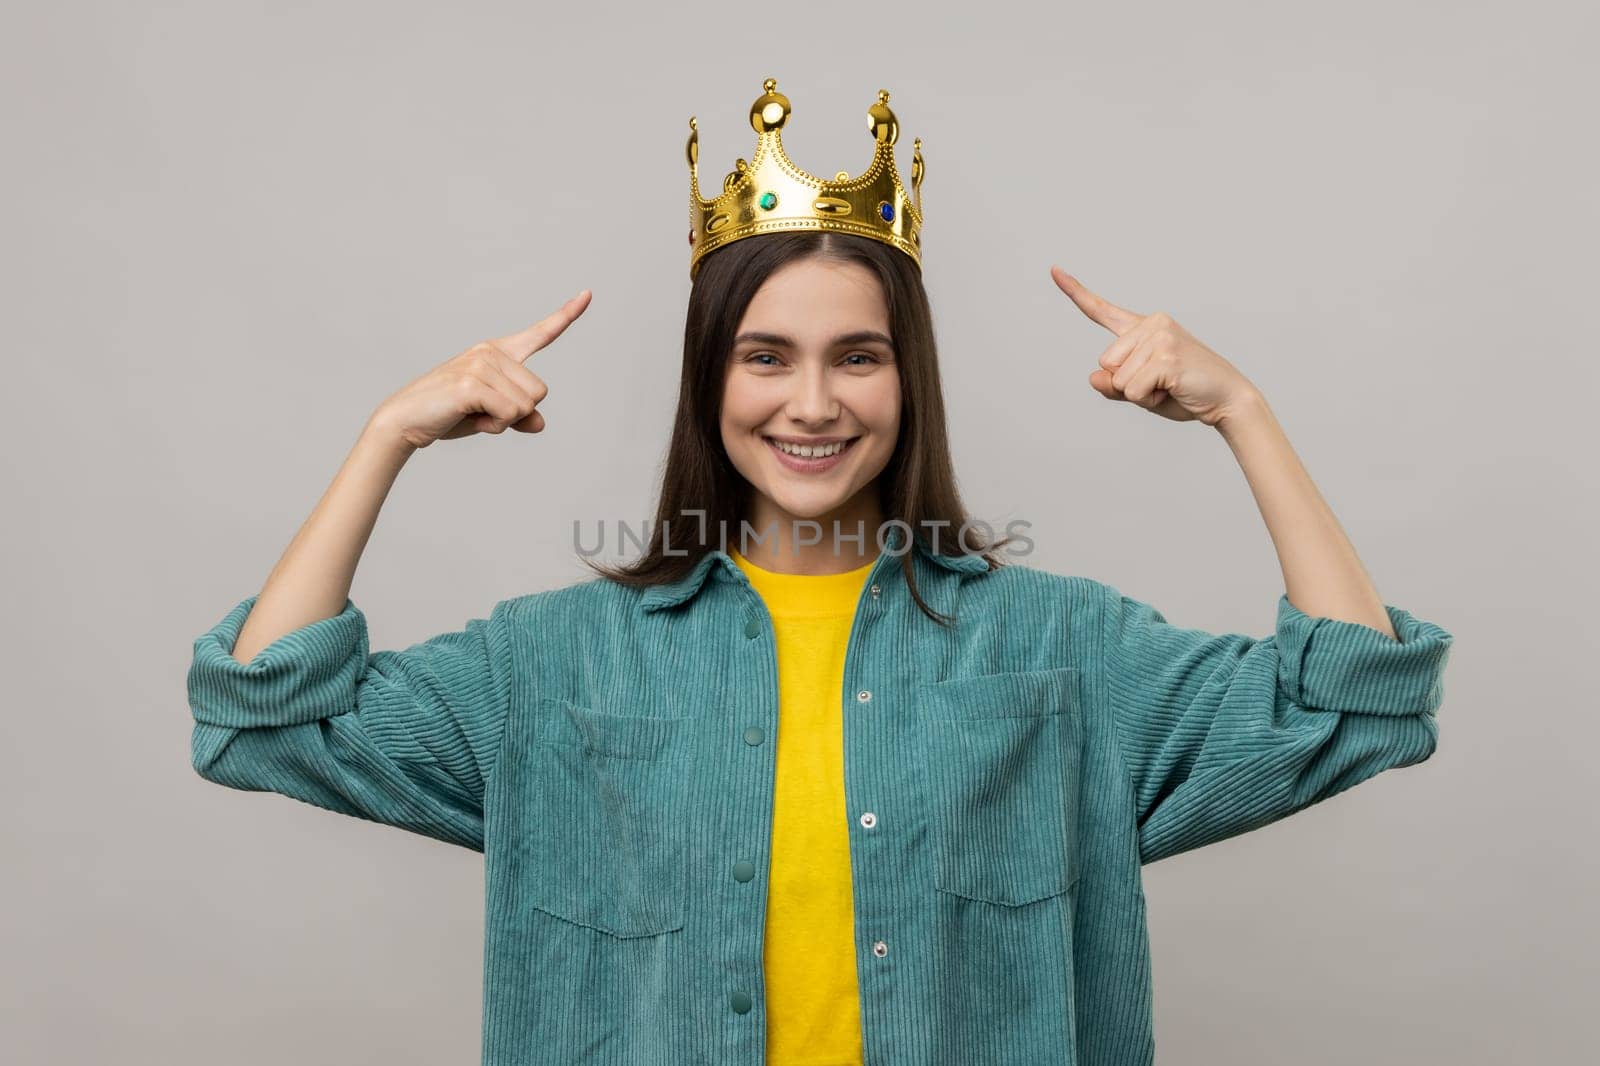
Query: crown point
(771,109)
(881,122)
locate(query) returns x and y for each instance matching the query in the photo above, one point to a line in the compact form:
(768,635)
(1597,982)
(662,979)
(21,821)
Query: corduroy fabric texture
(610,751)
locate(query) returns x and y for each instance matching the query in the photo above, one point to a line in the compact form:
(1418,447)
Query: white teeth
(806,451)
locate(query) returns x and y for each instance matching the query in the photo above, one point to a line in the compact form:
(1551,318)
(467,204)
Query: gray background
(232,229)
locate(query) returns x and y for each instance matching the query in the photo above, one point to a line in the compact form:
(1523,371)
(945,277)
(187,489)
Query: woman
(858,791)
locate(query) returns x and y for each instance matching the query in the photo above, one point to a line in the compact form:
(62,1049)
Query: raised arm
(286,694)
(1156,364)
(485,389)
(1225,733)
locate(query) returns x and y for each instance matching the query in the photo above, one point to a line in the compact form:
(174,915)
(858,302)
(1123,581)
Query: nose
(811,399)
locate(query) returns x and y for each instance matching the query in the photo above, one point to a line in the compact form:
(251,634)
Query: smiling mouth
(814,451)
(824,457)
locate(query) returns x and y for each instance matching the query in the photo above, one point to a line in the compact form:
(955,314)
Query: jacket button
(880,949)
(740,1002)
(875,590)
(752,629)
(744,870)
(868,820)
(863,696)
(754,735)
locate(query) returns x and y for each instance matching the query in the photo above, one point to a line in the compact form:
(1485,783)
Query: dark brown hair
(917,486)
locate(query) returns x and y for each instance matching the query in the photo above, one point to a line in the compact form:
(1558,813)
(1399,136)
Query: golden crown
(771,194)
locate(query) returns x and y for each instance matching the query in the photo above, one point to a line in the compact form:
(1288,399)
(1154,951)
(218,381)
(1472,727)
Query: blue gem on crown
(886,209)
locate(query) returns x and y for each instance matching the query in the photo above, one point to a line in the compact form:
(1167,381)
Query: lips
(802,465)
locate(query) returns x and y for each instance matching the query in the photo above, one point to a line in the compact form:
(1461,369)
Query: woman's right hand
(485,389)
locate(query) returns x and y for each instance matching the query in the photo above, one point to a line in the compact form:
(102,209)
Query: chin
(807,505)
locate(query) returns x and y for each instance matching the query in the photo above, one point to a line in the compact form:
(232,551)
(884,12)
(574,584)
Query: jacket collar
(673,593)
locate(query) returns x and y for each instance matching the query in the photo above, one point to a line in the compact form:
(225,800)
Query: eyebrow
(860,336)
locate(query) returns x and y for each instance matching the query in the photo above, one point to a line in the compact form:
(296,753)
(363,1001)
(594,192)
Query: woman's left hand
(1157,364)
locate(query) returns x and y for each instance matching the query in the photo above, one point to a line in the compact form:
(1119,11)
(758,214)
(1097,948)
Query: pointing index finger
(1118,320)
(524,343)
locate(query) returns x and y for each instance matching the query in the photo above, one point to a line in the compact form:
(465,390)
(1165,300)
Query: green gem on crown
(768,201)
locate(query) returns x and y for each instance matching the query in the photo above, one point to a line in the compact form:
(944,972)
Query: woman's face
(812,364)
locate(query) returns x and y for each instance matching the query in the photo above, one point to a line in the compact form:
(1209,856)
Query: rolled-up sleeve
(406,738)
(1224,733)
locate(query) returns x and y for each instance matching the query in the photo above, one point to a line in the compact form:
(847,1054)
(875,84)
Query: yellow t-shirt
(809,960)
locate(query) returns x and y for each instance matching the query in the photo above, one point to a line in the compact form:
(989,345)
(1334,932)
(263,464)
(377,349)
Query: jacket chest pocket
(605,843)
(1003,777)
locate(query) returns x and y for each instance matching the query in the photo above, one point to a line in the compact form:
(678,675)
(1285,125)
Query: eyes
(871,358)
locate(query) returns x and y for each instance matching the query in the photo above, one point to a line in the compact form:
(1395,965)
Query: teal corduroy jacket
(610,751)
